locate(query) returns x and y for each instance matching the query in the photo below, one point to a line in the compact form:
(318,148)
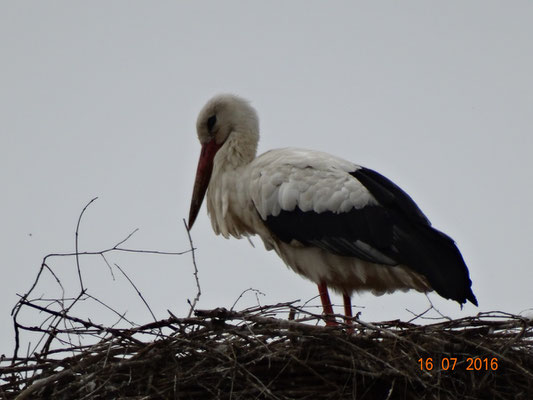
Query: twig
(195,273)
(138,292)
(77,242)
(243,293)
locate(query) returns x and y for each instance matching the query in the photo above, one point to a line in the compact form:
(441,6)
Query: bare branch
(77,242)
(137,290)
(195,273)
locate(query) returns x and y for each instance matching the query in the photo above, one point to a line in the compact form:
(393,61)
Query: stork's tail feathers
(435,255)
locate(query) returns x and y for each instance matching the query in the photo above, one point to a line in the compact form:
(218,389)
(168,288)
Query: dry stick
(195,273)
(26,393)
(243,293)
(58,281)
(138,292)
(119,249)
(121,316)
(109,250)
(77,246)
(417,316)
(86,324)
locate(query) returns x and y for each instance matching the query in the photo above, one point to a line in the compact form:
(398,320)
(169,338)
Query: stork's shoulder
(304,159)
(284,179)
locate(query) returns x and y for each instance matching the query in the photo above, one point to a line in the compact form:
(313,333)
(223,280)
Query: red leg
(326,304)
(347,310)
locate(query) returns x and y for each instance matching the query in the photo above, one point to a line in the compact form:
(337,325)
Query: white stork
(336,223)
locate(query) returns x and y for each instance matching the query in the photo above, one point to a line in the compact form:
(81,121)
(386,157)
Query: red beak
(203,175)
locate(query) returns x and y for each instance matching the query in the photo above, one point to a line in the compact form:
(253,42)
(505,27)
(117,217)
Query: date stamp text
(451,363)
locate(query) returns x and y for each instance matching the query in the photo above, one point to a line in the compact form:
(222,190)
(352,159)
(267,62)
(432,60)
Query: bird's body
(252,200)
(332,221)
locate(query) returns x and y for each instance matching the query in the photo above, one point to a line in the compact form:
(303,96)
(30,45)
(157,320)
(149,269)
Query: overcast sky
(101,98)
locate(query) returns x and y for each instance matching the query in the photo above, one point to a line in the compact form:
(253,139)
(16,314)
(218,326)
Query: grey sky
(101,99)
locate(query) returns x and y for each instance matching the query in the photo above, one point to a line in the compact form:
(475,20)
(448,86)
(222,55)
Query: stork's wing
(318,200)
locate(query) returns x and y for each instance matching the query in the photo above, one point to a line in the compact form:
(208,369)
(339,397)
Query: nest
(281,351)
(223,354)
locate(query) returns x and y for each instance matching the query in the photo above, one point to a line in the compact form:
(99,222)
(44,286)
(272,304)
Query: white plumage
(312,180)
(332,221)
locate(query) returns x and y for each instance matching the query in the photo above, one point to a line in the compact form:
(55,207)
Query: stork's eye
(211,121)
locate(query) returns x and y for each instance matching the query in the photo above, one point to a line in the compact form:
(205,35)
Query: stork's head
(224,117)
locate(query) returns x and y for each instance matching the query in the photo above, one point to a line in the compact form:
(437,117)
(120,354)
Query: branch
(195,273)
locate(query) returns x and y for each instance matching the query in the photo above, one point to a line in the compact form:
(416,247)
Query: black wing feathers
(337,233)
(388,194)
(391,233)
